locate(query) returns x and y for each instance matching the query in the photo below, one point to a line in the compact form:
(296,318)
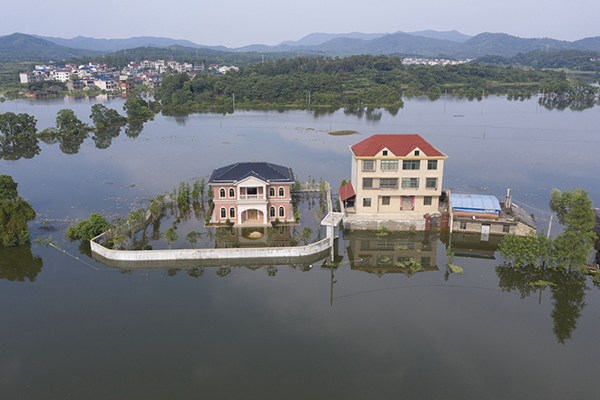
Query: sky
(236,23)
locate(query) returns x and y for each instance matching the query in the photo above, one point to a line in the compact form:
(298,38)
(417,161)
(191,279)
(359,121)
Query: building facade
(394,177)
(252,193)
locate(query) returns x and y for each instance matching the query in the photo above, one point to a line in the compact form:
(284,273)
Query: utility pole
(482,98)
(234,101)
(445,97)
(549,227)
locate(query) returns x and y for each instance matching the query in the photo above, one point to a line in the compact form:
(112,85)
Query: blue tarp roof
(474,203)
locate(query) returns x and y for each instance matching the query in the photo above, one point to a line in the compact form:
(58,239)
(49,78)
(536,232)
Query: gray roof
(522,216)
(261,170)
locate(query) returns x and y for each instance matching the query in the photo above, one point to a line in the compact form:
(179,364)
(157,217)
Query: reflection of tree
(133,129)
(70,144)
(195,272)
(222,272)
(103,137)
(567,291)
(18,263)
(14,149)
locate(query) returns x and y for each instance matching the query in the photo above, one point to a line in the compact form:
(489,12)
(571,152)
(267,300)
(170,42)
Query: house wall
(376,193)
(263,205)
(496,226)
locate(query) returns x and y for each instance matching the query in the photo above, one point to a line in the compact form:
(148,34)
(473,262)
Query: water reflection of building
(471,245)
(255,236)
(381,253)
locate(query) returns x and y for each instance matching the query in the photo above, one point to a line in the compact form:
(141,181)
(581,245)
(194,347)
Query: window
(223,212)
(427,200)
(272,192)
(506,228)
(411,164)
(389,165)
(431,164)
(385,201)
(222,192)
(388,183)
(463,225)
(232,212)
(410,183)
(366,202)
(417,152)
(281,192)
(367,183)
(385,152)
(368,165)
(425,261)
(431,183)
(281,211)
(231,192)
(272,211)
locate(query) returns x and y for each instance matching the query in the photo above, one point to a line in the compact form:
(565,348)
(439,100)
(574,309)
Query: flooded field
(367,325)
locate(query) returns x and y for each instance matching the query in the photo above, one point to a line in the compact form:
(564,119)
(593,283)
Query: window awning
(347,191)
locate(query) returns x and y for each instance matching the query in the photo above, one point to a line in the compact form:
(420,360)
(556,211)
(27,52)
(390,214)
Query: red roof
(347,191)
(399,145)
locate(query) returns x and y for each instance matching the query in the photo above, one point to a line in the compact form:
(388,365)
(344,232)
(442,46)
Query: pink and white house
(252,193)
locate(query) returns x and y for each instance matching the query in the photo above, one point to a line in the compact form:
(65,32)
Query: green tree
(305,235)
(170,237)
(104,117)
(574,210)
(15,213)
(68,123)
(17,126)
(88,229)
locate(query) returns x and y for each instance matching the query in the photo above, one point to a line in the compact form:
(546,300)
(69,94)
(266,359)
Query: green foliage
(104,117)
(19,126)
(198,189)
(15,213)
(343,182)
(183,195)
(67,123)
(571,248)
(382,232)
(170,236)
(526,250)
(574,210)
(8,188)
(87,229)
(137,109)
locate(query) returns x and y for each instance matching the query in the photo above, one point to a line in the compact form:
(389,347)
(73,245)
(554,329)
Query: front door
(252,214)
(485,233)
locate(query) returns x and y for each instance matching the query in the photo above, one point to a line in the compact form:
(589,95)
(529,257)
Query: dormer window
(385,152)
(417,152)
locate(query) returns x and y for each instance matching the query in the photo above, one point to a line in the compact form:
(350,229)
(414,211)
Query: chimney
(507,199)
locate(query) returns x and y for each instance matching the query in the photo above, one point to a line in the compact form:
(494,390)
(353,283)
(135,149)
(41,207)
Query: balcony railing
(252,196)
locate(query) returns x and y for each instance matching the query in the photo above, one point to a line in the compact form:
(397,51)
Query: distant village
(98,77)
(433,61)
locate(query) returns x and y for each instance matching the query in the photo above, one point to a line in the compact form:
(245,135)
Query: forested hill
(571,59)
(21,47)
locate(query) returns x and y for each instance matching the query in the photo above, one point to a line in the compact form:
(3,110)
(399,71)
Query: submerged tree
(571,248)
(15,213)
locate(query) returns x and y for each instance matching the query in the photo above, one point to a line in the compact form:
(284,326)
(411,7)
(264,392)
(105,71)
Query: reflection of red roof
(399,145)
(347,191)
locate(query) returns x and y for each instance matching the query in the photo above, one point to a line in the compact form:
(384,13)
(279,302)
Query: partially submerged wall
(207,254)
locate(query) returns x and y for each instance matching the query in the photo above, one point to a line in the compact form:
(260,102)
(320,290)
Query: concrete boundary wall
(295,252)
(206,254)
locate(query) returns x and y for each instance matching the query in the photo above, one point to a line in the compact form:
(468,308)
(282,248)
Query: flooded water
(364,328)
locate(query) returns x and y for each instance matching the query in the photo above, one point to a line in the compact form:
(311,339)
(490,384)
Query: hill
(110,45)
(21,47)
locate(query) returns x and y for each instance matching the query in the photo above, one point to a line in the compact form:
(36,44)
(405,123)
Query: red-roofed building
(394,177)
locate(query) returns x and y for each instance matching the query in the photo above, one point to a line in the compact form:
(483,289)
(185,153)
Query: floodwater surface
(362,327)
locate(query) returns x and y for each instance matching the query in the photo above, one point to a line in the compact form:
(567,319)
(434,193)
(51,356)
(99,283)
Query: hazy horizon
(238,23)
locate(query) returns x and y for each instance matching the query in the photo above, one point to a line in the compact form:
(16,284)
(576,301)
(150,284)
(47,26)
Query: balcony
(252,197)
